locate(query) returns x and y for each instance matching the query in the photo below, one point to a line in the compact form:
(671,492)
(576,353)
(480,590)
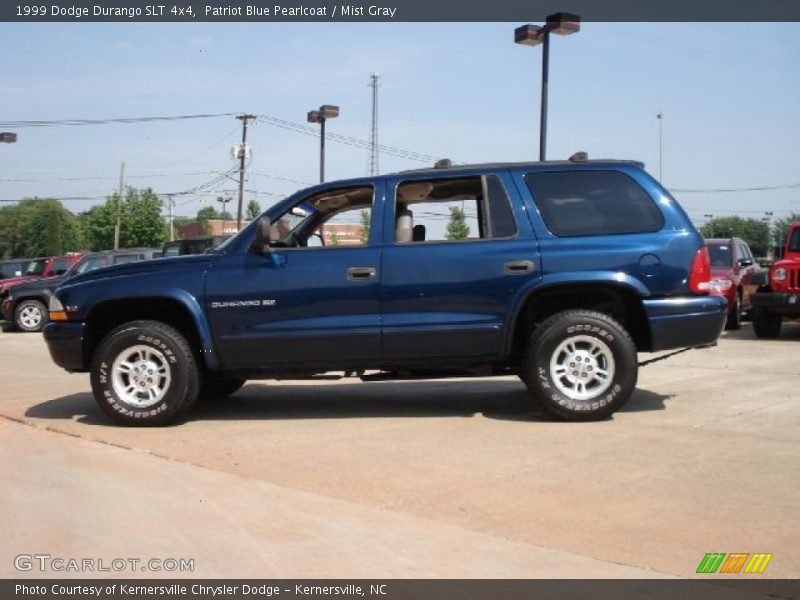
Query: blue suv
(558,272)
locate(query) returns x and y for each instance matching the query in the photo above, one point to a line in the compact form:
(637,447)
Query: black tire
(766,324)
(734,321)
(174,370)
(219,387)
(558,393)
(30,316)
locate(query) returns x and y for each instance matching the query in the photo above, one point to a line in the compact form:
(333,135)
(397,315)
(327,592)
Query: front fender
(146,293)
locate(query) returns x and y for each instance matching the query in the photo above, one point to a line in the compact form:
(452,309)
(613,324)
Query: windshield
(794,241)
(36,267)
(720,255)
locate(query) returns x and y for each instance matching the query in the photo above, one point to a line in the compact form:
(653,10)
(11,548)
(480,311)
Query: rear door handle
(518,267)
(361,273)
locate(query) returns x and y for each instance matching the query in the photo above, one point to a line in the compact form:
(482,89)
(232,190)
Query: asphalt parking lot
(446,478)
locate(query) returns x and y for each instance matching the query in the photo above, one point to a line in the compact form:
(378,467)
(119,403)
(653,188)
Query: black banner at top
(396,10)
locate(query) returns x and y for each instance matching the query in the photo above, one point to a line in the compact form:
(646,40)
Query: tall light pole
(533,35)
(660,117)
(224,202)
(325,112)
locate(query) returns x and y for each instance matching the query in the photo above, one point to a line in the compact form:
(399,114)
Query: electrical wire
(80,122)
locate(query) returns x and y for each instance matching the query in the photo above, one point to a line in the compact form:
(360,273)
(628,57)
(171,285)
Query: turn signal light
(58,315)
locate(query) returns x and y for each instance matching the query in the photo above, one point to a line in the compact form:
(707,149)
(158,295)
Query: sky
(729,94)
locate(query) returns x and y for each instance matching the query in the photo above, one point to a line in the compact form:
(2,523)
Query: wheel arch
(618,299)
(176,310)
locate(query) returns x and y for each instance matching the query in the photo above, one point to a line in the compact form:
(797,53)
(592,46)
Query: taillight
(700,273)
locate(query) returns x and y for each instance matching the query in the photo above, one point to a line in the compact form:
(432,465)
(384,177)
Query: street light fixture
(325,112)
(533,35)
(6,137)
(224,202)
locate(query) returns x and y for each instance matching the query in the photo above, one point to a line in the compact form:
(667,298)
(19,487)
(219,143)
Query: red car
(735,275)
(41,268)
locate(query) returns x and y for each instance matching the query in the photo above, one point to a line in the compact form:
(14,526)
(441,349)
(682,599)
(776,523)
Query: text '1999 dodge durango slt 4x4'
(558,272)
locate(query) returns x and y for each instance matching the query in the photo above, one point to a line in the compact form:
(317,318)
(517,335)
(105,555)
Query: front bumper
(782,303)
(65,342)
(685,322)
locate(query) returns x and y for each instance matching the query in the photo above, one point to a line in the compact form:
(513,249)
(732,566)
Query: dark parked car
(25,305)
(559,272)
(735,275)
(193,245)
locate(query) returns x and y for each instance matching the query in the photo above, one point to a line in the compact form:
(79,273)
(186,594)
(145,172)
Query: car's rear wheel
(766,324)
(144,373)
(580,365)
(30,315)
(735,314)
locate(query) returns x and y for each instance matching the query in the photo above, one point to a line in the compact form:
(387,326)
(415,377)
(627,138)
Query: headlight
(55,305)
(779,274)
(56,310)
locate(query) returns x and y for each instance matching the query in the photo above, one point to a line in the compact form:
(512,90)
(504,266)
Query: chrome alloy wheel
(582,367)
(141,376)
(30,317)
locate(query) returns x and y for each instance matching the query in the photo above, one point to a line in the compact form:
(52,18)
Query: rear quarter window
(581,203)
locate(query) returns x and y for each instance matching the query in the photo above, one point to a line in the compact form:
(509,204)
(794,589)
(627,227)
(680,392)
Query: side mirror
(745,262)
(263,235)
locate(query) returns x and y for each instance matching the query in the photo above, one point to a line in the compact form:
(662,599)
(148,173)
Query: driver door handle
(361,273)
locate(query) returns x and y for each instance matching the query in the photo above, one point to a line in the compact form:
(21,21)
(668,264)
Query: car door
(298,307)
(457,249)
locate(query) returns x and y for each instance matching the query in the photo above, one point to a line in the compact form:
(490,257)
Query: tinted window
(720,255)
(575,203)
(125,258)
(60,266)
(500,214)
(794,241)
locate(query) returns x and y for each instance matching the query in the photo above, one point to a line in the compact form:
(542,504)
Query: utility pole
(170,203)
(119,205)
(373,142)
(242,151)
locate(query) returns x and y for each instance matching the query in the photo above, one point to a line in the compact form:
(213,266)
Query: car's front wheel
(219,387)
(30,315)
(144,373)
(580,365)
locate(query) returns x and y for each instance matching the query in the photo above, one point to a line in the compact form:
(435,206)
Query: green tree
(141,223)
(38,227)
(780,228)
(334,239)
(365,226)
(752,231)
(457,228)
(207,213)
(253,210)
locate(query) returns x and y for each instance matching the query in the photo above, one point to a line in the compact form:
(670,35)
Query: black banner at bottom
(395,589)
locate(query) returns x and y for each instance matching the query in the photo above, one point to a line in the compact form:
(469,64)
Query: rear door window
(581,203)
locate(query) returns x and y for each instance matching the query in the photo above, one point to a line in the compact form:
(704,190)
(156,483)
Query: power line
(733,190)
(80,122)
